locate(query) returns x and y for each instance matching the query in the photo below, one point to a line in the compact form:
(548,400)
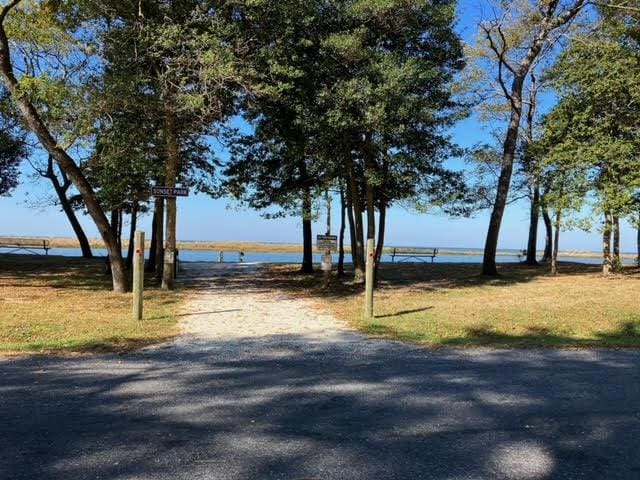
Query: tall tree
(29,88)
(600,102)
(514,40)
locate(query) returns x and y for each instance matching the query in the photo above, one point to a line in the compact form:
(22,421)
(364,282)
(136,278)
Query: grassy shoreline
(265,247)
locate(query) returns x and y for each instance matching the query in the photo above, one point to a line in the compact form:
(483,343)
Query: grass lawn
(452,305)
(61,304)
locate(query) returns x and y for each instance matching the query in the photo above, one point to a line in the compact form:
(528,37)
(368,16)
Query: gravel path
(231,304)
(263,387)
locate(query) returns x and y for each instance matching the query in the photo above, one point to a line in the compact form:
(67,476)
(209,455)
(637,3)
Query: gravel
(261,386)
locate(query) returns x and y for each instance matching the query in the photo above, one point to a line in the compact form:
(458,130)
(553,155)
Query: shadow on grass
(419,278)
(405,312)
(53,271)
(70,308)
(626,335)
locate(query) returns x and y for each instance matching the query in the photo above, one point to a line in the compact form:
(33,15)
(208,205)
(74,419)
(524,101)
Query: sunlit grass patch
(453,305)
(62,304)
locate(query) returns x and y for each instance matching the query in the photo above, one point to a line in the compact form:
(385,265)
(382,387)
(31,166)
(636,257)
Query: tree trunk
(120,226)
(132,234)
(534,219)
(638,241)
(549,21)
(556,244)
(159,208)
(151,263)
(353,196)
(371,233)
(343,227)
(511,141)
(115,226)
(61,192)
(171,178)
(382,221)
(548,243)
(606,244)
(66,163)
(307,234)
(352,227)
(617,261)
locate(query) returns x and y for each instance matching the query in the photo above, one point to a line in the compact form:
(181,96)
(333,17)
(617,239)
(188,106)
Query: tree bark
(617,261)
(511,141)
(638,241)
(353,196)
(115,218)
(37,126)
(606,244)
(556,244)
(171,178)
(153,245)
(343,227)
(371,232)
(534,219)
(352,227)
(548,241)
(307,234)
(382,221)
(159,208)
(61,192)
(132,234)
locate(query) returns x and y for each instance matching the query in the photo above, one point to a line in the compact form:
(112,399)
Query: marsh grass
(452,305)
(61,304)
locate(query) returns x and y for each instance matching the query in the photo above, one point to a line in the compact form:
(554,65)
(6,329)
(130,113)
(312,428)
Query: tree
(514,40)
(13,149)
(391,100)
(600,105)
(68,203)
(171,67)
(282,162)
(30,90)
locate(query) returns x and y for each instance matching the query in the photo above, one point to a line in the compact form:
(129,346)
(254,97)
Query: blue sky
(201,218)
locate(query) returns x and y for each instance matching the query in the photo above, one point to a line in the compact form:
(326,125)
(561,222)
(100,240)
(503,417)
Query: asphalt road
(346,410)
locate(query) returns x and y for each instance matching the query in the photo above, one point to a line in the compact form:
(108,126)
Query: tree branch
(7,8)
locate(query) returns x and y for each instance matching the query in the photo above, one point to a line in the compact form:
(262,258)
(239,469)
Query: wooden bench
(30,245)
(431,253)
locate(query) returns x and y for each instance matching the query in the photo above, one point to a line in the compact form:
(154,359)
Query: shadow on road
(283,408)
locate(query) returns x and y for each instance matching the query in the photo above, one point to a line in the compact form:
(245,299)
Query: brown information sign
(169,192)
(327,242)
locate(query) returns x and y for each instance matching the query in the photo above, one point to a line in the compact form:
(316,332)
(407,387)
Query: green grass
(63,305)
(452,305)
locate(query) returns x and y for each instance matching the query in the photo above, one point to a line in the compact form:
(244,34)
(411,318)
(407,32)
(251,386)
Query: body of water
(508,256)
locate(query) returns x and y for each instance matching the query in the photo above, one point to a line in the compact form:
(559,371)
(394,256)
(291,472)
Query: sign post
(169,266)
(138,275)
(328,243)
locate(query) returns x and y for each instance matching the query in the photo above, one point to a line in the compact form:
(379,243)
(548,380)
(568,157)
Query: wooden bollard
(138,275)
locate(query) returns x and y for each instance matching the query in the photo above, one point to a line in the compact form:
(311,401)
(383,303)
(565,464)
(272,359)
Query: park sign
(169,192)
(327,242)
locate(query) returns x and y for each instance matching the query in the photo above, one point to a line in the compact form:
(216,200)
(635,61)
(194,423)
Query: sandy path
(229,304)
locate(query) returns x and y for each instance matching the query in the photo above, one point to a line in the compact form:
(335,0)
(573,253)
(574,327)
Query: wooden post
(368,302)
(138,275)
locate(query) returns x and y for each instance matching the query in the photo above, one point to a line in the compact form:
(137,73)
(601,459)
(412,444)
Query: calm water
(213,256)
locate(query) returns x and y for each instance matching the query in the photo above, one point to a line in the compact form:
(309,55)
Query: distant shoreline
(265,247)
